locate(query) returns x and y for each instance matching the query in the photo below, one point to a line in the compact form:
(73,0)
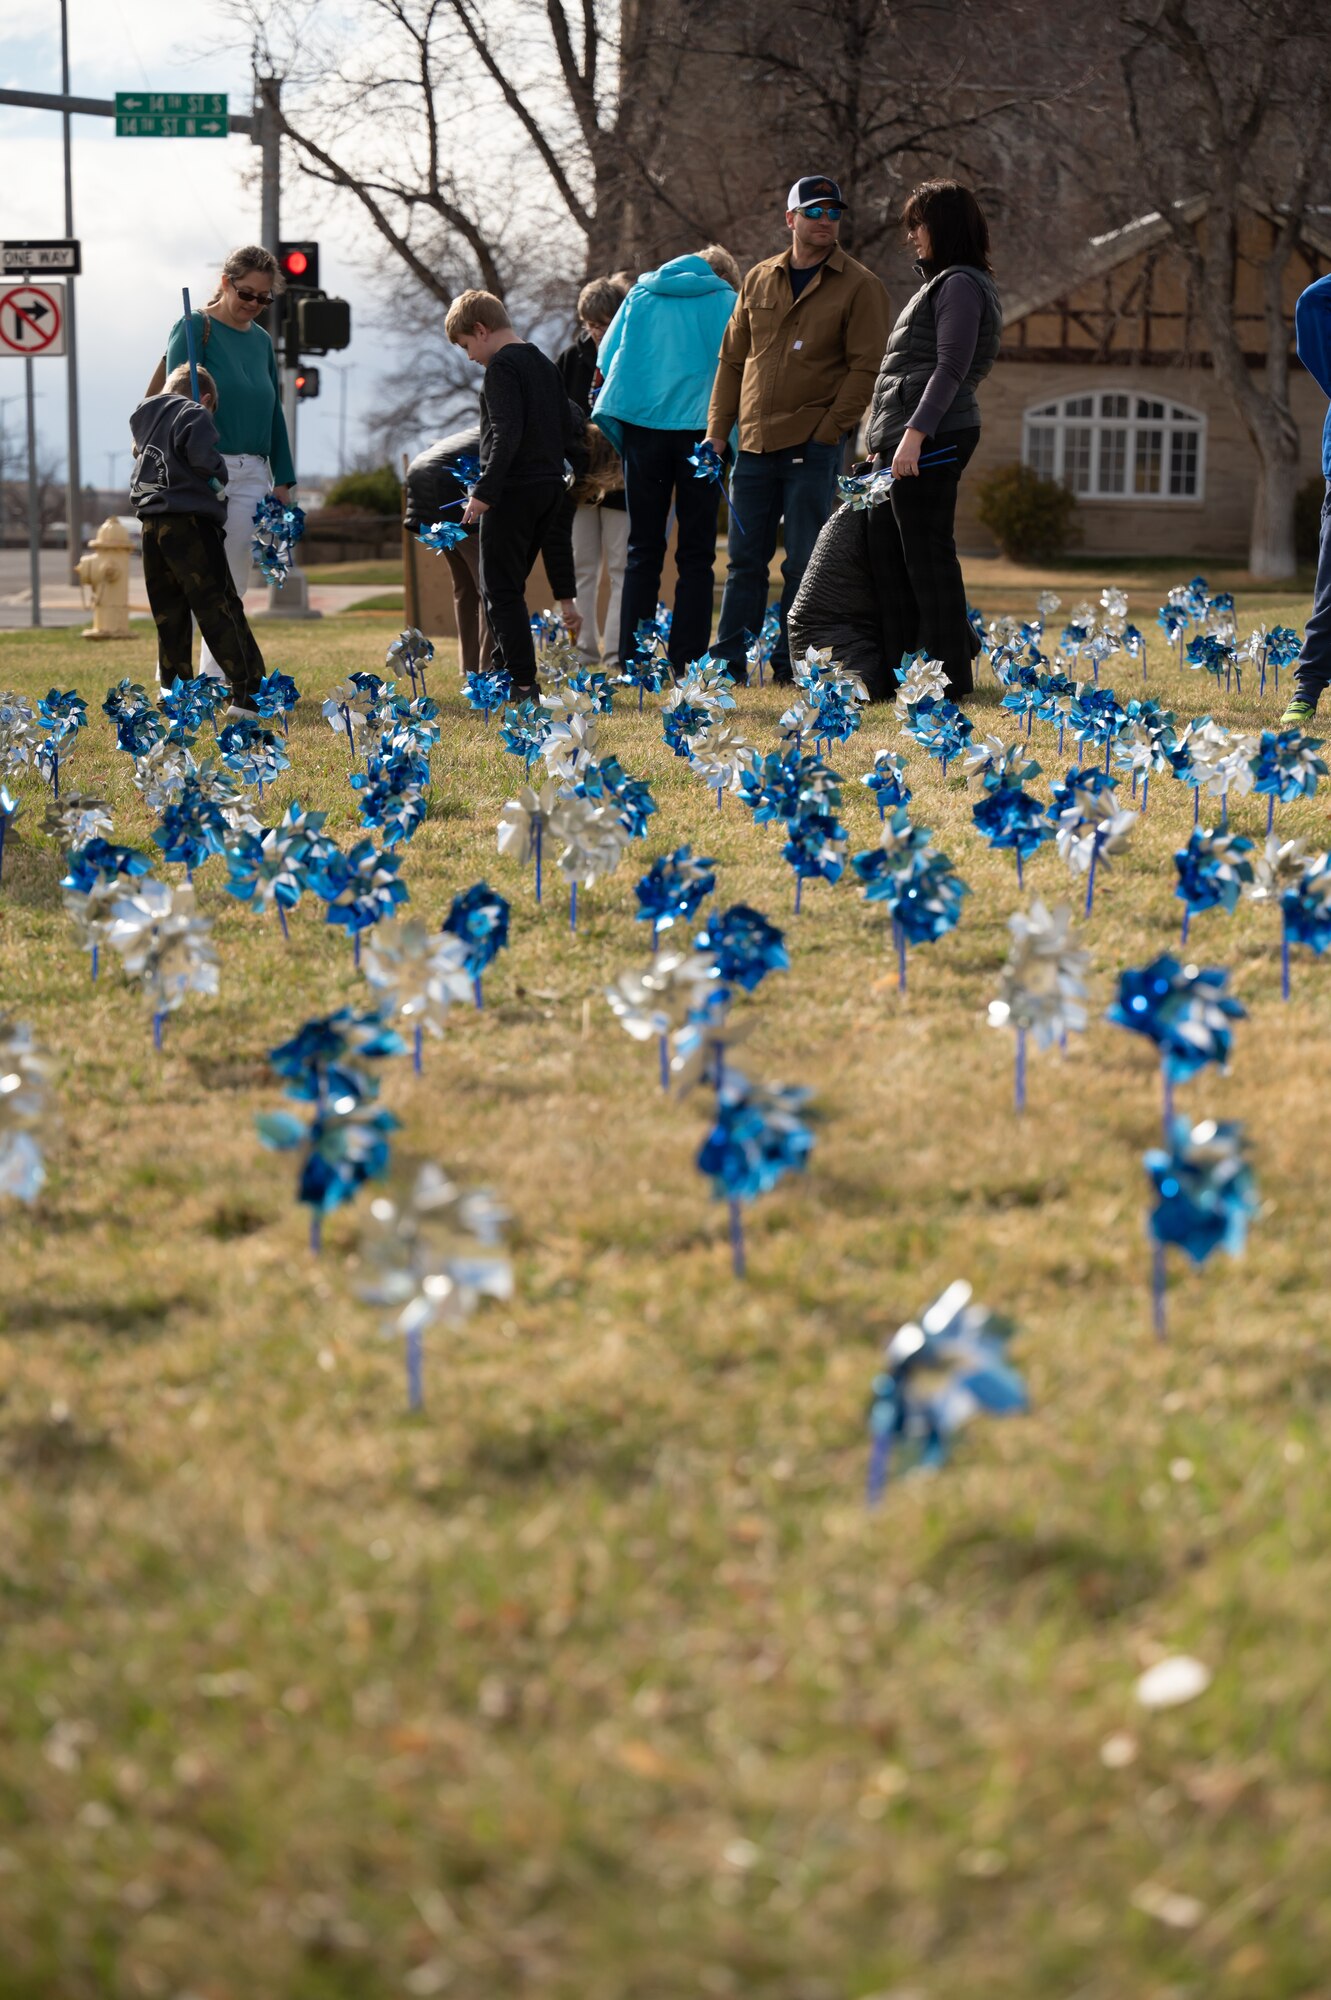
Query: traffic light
(299,263)
(324,325)
(307,384)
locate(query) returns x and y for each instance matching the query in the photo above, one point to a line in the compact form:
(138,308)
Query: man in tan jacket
(797,369)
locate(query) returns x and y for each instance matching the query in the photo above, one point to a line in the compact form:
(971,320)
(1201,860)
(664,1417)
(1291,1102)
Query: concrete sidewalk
(67,605)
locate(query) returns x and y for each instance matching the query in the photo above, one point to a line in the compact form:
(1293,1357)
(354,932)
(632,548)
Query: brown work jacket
(794,369)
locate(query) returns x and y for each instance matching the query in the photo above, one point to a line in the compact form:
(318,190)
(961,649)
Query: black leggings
(914,557)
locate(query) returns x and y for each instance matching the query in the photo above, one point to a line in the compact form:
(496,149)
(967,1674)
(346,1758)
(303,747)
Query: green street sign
(171,114)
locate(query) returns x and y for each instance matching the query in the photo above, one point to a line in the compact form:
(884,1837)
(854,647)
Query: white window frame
(1179,420)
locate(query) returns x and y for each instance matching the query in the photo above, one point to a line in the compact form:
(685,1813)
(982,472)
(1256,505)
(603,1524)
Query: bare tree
(1229,99)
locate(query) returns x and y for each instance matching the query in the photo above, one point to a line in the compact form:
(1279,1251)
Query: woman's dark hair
(958,232)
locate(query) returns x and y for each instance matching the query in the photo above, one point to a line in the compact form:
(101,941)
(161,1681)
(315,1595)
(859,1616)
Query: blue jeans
(1313,672)
(797,484)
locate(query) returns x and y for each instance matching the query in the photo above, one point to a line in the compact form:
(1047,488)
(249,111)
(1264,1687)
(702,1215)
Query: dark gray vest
(912,355)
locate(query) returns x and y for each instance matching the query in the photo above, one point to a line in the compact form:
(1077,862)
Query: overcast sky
(152,215)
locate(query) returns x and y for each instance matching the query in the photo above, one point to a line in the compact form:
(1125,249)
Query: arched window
(1115,445)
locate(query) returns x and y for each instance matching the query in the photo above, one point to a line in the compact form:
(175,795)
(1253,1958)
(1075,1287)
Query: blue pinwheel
(674,889)
(59,718)
(967,1345)
(941,729)
(278,526)
(608,782)
(645,671)
(1306,910)
(138,729)
(360,888)
(274,866)
(745,946)
(125,698)
(757,1137)
(254,753)
(525,730)
(1184,1010)
(597,687)
(1011,818)
(814,838)
(707,464)
(10,808)
(915,882)
(441,535)
(1285,765)
(479,916)
(887,781)
(1213,871)
(413,651)
(1206,1197)
(486,692)
(1215,656)
(187,705)
(192,827)
(682,720)
(100,861)
(346,1140)
(275,697)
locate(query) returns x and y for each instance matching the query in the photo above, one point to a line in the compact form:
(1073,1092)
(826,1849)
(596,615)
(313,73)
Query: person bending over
(836,605)
(179,494)
(527,433)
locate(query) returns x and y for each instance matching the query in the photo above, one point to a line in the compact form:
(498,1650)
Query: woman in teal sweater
(251,428)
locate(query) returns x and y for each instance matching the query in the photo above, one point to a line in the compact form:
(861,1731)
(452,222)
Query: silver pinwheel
(434,1253)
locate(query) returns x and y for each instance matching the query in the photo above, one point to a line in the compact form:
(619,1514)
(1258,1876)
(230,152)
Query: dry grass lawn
(596,1681)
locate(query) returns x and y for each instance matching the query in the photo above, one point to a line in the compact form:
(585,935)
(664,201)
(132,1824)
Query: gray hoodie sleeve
(958,305)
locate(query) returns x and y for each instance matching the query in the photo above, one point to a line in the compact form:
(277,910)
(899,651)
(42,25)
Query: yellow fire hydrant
(106,573)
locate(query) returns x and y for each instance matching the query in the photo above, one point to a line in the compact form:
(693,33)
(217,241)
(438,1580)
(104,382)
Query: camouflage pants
(186,573)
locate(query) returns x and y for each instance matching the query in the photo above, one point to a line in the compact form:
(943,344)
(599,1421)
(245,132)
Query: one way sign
(32,320)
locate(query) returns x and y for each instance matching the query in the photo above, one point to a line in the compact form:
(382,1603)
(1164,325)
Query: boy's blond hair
(472,309)
(722,263)
(178,383)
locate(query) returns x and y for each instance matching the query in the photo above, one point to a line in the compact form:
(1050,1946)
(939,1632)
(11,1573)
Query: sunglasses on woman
(833,213)
(251,298)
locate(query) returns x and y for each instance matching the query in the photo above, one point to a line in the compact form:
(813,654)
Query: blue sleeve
(1312,332)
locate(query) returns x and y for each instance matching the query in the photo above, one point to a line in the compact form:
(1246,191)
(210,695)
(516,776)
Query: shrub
(377,492)
(1308,518)
(1031,519)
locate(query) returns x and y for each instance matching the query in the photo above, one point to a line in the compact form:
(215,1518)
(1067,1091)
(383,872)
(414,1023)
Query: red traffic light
(299,264)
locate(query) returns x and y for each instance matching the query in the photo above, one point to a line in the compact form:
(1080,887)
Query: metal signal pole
(74,496)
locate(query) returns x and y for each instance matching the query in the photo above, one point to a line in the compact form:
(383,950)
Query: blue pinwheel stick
(706,462)
(189,346)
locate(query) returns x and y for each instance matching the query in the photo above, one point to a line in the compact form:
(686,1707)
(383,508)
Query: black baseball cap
(815,187)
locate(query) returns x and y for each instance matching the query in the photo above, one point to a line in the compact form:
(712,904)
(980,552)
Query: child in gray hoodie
(178,495)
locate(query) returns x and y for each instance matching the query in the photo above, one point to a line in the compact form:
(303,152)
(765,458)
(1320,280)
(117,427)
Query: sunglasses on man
(831,211)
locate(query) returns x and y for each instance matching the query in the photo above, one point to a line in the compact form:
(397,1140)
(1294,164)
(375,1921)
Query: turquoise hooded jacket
(658,357)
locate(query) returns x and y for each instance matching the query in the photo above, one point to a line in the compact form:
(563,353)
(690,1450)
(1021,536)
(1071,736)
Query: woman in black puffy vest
(924,404)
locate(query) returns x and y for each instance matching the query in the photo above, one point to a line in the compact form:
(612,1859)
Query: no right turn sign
(32,320)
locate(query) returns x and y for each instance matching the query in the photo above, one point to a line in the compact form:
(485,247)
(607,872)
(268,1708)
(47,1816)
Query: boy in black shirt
(179,495)
(527,432)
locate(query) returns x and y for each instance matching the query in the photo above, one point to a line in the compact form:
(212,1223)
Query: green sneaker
(1298,715)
